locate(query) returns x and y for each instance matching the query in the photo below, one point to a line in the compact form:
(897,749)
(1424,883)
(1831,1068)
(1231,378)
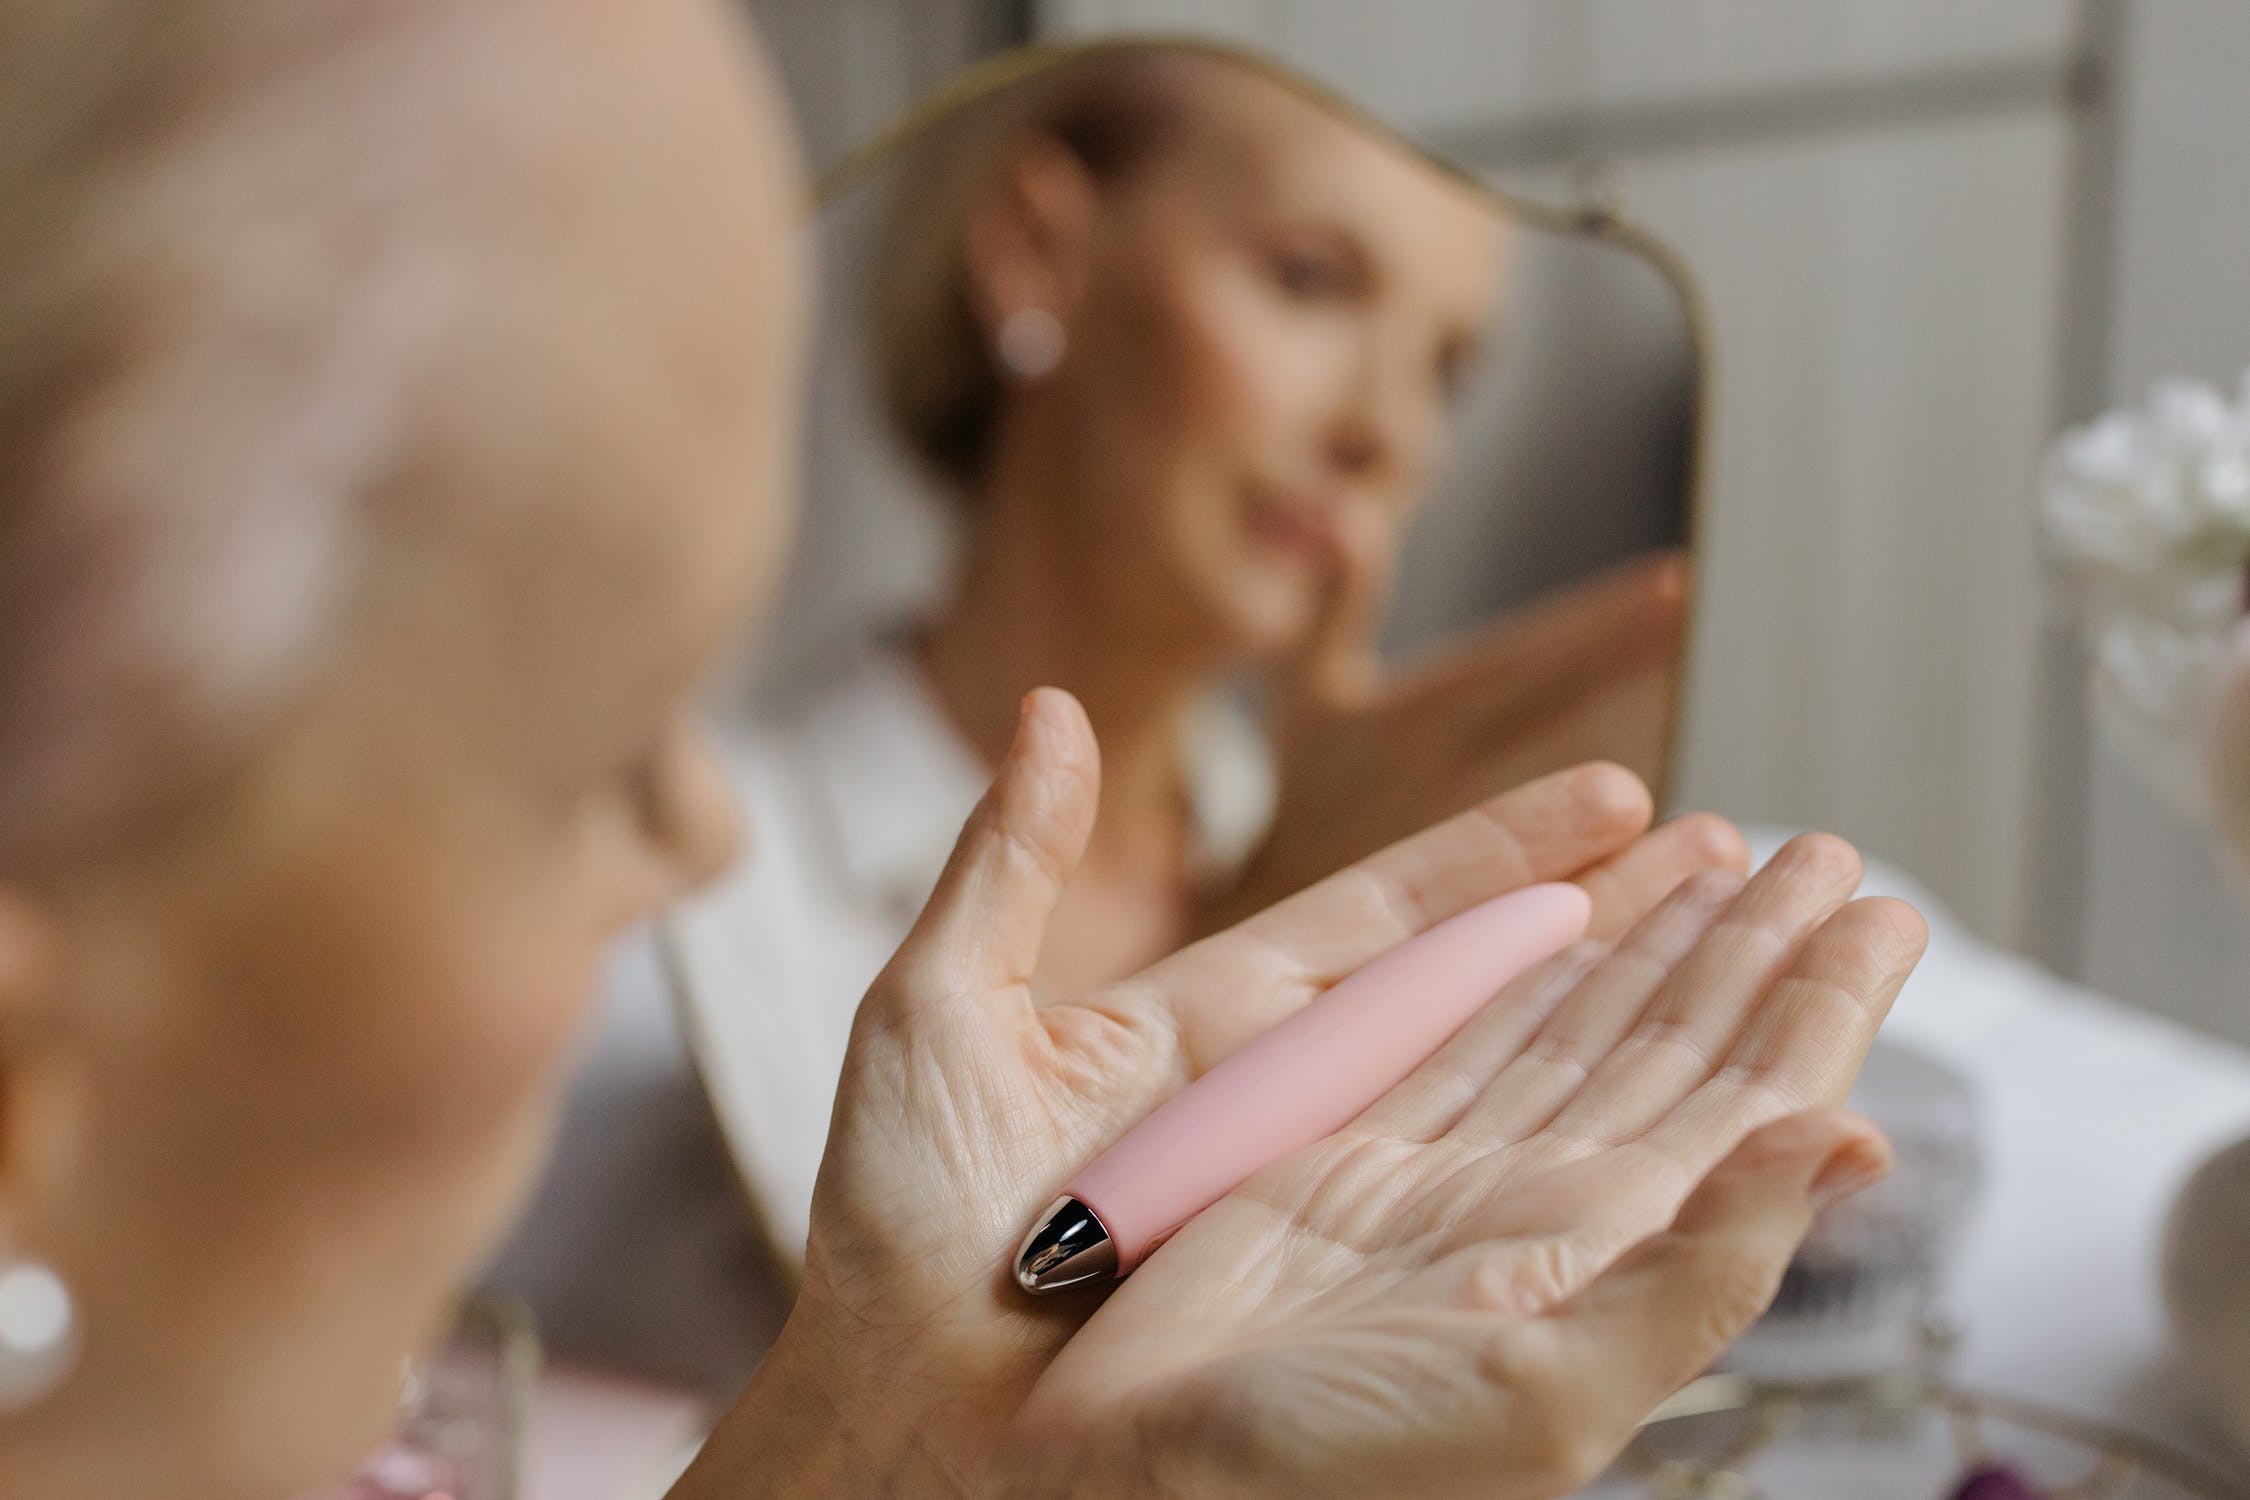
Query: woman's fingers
(1690,1027)
(1625,718)
(980,934)
(1339,664)
(1602,1361)
(1433,1098)
(1628,885)
(1527,1092)
(1805,1043)
(1226,989)
(1624,888)
(1570,1364)
(1604,1185)
(1552,651)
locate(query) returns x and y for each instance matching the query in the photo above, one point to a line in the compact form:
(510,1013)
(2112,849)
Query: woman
(393,413)
(1179,341)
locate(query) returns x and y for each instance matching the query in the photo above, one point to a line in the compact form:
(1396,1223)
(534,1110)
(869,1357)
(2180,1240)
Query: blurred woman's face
(1271,315)
(296,1059)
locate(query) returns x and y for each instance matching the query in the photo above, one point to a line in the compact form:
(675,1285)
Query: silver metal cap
(1067,1246)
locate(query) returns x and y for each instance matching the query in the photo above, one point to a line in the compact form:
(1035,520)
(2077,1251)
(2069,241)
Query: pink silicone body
(1312,1074)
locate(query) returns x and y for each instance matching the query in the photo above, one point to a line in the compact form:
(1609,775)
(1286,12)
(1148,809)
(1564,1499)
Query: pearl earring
(1030,343)
(38,1334)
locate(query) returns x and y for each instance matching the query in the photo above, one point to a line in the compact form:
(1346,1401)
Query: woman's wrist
(799,1430)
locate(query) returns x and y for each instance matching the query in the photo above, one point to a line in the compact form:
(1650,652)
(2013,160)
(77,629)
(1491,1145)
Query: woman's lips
(1304,529)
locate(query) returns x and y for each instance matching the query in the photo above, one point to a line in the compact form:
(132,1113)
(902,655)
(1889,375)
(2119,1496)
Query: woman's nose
(707,830)
(1355,445)
(1379,434)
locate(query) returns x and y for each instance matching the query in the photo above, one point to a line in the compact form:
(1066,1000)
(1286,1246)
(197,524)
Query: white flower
(2157,689)
(2148,512)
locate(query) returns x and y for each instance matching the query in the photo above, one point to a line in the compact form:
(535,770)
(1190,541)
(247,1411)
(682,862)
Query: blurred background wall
(1930,235)
(2156,922)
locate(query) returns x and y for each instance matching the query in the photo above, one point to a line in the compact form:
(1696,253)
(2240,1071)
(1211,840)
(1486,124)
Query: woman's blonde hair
(201,326)
(939,385)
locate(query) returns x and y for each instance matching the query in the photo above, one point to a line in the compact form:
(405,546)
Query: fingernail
(1023,720)
(1672,579)
(1853,1167)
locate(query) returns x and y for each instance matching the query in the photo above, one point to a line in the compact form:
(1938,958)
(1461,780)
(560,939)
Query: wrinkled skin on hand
(1462,1285)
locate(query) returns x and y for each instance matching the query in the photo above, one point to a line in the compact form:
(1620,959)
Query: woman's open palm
(969,1099)
(1460,1292)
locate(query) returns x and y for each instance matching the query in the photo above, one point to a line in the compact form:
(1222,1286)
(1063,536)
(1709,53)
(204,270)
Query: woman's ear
(37,1093)
(1032,233)
(39,1321)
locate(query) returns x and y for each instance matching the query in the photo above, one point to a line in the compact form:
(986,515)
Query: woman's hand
(1365,758)
(1436,1294)
(1466,1292)
(968,1100)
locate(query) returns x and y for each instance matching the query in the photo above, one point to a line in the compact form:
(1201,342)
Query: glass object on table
(1866,1292)
(463,1414)
(1889,1437)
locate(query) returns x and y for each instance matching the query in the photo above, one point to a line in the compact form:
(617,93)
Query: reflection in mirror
(1568,435)
(1341,490)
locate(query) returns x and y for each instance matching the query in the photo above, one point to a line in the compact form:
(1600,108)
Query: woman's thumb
(985,922)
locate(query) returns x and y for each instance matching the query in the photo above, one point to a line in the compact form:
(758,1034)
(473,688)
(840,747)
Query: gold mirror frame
(1597,218)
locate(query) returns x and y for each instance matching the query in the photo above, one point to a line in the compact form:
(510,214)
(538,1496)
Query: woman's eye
(643,786)
(1452,375)
(1311,278)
